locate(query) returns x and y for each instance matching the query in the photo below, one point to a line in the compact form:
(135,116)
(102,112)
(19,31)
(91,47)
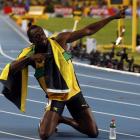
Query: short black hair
(31,30)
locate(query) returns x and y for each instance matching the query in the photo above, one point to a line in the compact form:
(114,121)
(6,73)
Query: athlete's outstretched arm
(68,37)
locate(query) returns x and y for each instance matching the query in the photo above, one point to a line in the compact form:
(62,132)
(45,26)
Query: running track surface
(110,94)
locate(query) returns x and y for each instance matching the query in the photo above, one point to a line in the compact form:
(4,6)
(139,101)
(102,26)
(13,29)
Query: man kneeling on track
(55,74)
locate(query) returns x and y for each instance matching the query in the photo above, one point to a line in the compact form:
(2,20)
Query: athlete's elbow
(94,134)
(89,32)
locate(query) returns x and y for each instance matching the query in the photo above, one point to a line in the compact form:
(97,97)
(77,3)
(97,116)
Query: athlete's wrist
(39,72)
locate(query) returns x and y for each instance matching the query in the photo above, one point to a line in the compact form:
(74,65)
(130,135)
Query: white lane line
(16,135)
(5,55)
(30,100)
(109,89)
(21,115)
(34,87)
(96,112)
(116,115)
(12,51)
(112,101)
(107,79)
(106,69)
(15,30)
(107,131)
(102,130)
(35,101)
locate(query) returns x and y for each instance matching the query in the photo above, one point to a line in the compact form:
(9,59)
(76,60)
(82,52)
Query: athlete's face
(38,37)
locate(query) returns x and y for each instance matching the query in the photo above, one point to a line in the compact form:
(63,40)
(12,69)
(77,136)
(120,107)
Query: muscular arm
(68,37)
(19,64)
(25,61)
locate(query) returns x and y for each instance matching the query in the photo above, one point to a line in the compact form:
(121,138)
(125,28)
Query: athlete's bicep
(68,37)
(73,36)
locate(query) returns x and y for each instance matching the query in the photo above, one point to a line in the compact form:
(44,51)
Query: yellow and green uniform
(60,74)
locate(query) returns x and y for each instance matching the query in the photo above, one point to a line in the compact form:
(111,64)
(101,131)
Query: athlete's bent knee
(44,135)
(93,134)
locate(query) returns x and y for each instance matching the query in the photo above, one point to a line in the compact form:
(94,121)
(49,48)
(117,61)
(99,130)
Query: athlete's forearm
(42,83)
(94,27)
(40,75)
(86,31)
(19,64)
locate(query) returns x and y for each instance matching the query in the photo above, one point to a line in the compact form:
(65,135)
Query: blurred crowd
(66,7)
(80,3)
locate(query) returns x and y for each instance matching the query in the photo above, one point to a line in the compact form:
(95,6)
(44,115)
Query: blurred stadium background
(115,46)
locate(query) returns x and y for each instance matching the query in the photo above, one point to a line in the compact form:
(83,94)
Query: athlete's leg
(84,124)
(50,119)
(83,119)
(48,124)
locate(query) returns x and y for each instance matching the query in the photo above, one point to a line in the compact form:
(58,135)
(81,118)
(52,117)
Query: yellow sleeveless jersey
(62,82)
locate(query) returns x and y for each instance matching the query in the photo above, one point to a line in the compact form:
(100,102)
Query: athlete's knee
(43,133)
(93,133)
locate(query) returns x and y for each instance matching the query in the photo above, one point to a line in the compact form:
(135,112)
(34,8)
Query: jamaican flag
(15,85)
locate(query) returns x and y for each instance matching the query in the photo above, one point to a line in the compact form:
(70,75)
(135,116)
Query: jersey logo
(55,109)
(67,55)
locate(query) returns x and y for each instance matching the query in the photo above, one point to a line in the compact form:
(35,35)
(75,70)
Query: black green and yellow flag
(15,85)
